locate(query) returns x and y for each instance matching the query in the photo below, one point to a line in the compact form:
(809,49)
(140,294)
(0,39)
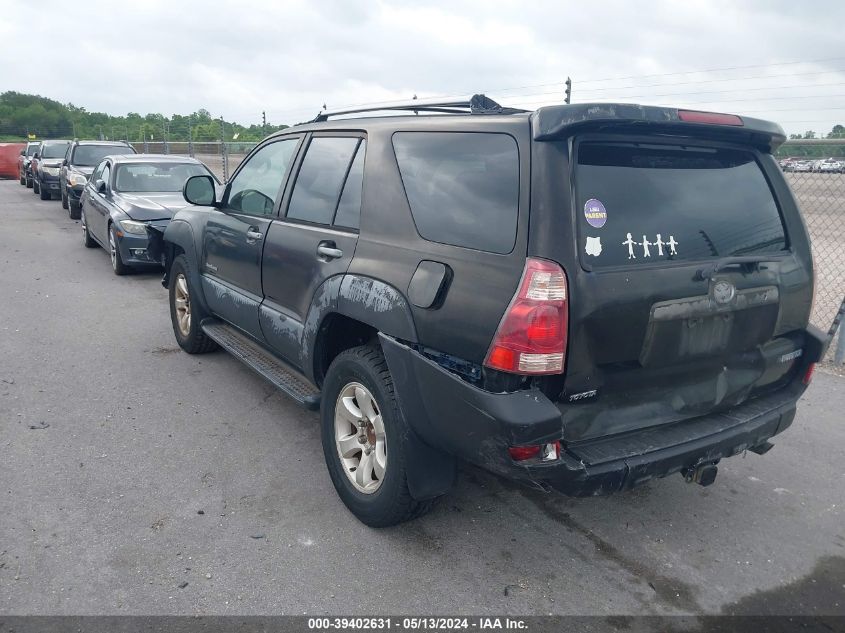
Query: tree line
(25,116)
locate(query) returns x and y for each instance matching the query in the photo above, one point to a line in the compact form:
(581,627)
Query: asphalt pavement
(136,479)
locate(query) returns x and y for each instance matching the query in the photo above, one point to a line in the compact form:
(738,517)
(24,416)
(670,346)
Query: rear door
(315,239)
(234,235)
(686,293)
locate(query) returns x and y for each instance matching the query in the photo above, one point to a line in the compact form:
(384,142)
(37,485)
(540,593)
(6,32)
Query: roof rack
(476,104)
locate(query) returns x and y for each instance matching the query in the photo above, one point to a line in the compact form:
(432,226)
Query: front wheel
(64,201)
(365,439)
(186,314)
(87,240)
(117,264)
(29,183)
(74,209)
(43,193)
(36,187)
(23,180)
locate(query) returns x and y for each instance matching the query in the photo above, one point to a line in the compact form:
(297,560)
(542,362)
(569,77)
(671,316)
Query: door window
(97,172)
(318,185)
(106,173)
(349,208)
(255,188)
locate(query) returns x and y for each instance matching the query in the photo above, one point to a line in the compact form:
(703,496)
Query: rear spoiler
(557,122)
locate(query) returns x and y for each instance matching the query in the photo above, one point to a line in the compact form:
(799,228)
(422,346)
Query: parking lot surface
(137,479)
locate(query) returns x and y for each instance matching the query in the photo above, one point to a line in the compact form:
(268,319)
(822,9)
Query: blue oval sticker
(595,213)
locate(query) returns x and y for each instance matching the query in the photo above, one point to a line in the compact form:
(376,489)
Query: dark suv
(46,165)
(583,297)
(79,163)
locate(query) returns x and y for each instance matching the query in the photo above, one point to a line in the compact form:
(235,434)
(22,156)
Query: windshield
(155,177)
(640,204)
(91,155)
(55,150)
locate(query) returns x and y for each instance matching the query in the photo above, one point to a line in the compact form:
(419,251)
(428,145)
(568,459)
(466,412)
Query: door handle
(253,235)
(327,251)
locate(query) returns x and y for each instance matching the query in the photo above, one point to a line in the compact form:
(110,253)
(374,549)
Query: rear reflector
(808,375)
(715,118)
(548,452)
(532,335)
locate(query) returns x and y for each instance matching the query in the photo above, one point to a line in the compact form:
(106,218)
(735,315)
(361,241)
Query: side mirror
(200,190)
(64,163)
(100,185)
(23,152)
(36,155)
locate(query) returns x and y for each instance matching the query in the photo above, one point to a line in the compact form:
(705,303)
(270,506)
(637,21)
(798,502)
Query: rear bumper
(454,416)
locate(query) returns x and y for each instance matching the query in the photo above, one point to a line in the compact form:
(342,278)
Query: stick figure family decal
(658,242)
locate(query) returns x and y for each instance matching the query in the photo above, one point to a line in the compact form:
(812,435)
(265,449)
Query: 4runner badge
(575,397)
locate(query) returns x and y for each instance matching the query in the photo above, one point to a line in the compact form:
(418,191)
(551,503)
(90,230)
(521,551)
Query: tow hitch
(703,474)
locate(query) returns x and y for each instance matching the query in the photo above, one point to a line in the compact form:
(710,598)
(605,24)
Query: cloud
(239,59)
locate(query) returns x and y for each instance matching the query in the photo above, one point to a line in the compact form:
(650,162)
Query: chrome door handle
(328,252)
(252,234)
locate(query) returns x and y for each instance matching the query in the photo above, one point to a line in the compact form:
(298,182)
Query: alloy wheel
(360,437)
(112,250)
(182,301)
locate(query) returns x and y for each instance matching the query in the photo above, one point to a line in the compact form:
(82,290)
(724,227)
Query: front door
(235,233)
(315,240)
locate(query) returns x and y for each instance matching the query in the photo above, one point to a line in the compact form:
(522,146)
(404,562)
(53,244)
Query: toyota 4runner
(583,297)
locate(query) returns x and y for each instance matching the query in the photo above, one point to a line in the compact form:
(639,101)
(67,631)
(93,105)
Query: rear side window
(321,177)
(463,188)
(638,204)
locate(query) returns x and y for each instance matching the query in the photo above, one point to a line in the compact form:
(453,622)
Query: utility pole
(568,98)
(223,155)
(263,124)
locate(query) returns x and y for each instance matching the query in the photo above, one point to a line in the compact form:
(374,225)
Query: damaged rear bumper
(478,426)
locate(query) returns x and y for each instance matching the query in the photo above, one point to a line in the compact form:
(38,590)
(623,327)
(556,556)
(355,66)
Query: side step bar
(273,369)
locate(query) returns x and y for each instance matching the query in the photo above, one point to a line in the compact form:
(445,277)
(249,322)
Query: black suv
(45,167)
(78,165)
(583,297)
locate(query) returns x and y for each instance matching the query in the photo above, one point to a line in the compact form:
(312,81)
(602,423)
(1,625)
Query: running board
(273,369)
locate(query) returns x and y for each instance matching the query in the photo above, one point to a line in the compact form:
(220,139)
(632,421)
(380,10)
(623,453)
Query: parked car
(127,193)
(548,295)
(831,166)
(46,165)
(802,166)
(79,163)
(24,162)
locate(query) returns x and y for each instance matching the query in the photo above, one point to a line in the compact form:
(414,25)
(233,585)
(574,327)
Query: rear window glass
(638,204)
(463,187)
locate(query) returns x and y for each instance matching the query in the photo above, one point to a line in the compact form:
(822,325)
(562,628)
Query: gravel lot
(139,480)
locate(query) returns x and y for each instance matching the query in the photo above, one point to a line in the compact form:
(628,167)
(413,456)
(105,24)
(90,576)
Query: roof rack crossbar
(476,104)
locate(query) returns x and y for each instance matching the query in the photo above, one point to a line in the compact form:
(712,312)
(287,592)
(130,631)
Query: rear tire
(87,240)
(358,391)
(186,313)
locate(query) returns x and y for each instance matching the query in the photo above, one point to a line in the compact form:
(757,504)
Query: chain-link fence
(815,171)
(222,158)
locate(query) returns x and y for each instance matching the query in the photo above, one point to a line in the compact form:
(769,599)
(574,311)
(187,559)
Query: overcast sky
(288,58)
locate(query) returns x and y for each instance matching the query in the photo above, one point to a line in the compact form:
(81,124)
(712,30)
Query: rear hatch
(688,265)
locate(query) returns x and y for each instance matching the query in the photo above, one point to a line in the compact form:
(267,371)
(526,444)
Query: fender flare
(181,233)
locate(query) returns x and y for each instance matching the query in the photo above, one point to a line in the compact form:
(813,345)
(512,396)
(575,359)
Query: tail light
(715,118)
(547,452)
(532,336)
(808,375)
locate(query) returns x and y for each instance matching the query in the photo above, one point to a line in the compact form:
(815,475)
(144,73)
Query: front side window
(324,169)
(106,173)
(256,187)
(155,177)
(98,172)
(641,203)
(463,188)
